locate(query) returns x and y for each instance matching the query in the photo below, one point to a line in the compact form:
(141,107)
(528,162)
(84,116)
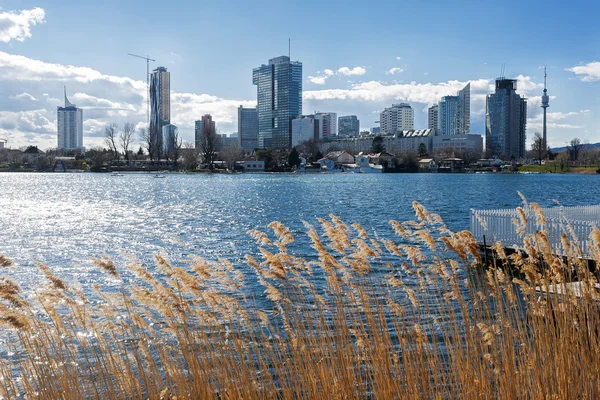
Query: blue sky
(358,57)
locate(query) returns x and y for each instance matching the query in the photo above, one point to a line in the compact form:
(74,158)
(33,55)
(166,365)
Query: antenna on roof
(290,49)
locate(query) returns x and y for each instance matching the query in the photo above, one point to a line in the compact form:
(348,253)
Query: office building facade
(348,126)
(398,117)
(327,124)
(279,100)
(201,126)
(505,121)
(160,106)
(307,127)
(69,121)
(169,139)
(248,128)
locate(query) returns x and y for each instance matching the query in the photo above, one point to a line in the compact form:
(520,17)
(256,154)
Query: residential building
(248,128)
(327,124)
(465,106)
(450,116)
(398,117)
(169,139)
(2,143)
(348,126)
(408,141)
(305,128)
(279,100)
(505,121)
(69,123)
(201,126)
(469,142)
(160,106)
(340,157)
(432,113)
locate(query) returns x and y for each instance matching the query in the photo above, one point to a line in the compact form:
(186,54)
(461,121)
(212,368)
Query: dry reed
(411,317)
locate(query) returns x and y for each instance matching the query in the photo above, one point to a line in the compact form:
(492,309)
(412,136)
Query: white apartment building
(398,117)
(433,115)
(327,124)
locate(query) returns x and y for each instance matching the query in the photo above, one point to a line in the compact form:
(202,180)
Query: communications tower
(545,105)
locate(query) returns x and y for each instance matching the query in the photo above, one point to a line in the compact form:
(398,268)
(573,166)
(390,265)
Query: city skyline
(111,88)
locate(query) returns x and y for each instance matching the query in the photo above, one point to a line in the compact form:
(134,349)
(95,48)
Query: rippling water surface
(64,219)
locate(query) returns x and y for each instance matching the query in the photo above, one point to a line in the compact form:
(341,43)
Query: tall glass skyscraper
(248,128)
(505,121)
(69,122)
(279,100)
(160,106)
(454,113)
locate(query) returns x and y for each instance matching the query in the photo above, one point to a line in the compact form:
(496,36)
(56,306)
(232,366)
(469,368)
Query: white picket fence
(577,223)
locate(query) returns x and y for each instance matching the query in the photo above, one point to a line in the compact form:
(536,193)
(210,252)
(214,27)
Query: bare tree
(125,137)
(190,155)
(110,138)
(574,148)
(537,147)
(173,146)
(147,142)
(209,145)
(231,154)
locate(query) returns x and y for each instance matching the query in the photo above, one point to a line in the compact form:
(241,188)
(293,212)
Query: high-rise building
(279,100)
(505,121)
(304,128)
(432,114)
(348,126)
(160,106)
(454,113)
(248,128)
(465,107)
(169,139)
(203,125)
(398,117)
(327,124)
(69,123)
(450,116)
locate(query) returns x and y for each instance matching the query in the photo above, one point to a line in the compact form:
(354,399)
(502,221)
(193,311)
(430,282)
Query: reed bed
(414,316)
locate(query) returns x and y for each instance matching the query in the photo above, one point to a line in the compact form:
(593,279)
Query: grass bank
(411,316)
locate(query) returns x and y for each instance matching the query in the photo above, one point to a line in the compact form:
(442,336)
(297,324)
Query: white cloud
(398,58)
(322,77)
(395,70)
(354,71)
(590,72)
(104,99)
(23,96)
(16,25)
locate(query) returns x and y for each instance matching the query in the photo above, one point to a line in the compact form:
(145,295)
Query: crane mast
(148,59)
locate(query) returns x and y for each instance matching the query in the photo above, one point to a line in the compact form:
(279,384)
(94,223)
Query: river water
(64,219)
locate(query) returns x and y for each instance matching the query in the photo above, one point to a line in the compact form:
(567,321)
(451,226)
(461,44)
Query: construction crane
(148,59)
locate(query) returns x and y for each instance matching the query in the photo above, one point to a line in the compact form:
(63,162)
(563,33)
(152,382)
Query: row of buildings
(278,121)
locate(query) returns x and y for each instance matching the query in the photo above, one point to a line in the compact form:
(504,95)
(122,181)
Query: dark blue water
(64,219)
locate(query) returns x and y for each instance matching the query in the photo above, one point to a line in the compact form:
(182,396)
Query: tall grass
(411,316)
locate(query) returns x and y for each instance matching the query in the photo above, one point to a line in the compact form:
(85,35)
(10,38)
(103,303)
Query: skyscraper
(348,126)
(398,117)
(160,107)
(279,100)
(454,113)
(465,107)
(450,116)
(505,120)
(169,139)
(432,114)
(69,123)
(248,128)
(327,124)
(203,125)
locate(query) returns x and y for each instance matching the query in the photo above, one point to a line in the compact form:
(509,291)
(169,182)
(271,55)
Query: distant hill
(589,146)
